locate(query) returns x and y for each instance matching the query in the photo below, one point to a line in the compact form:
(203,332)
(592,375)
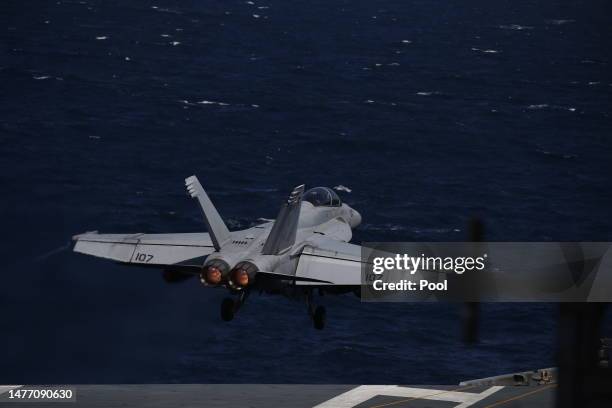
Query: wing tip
(83,234)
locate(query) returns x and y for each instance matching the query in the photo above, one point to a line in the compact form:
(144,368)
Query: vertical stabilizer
(285,226)
(219,233)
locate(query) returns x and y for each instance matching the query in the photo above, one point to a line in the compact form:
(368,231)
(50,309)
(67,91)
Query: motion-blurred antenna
(470,313)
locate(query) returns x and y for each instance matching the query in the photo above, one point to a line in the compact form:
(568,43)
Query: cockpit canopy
(322,196)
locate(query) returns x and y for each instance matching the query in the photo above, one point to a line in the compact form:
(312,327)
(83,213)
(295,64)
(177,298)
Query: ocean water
(431,112)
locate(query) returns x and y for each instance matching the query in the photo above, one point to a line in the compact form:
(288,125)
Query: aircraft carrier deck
(291,396)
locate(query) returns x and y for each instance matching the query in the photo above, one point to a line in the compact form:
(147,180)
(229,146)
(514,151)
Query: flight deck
(292,396)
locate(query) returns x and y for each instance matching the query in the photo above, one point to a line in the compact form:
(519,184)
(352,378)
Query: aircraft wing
(330,261)
(185,250)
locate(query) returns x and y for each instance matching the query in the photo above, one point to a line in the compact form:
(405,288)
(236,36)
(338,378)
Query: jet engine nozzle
(240,277)
(214,273)
(243,275)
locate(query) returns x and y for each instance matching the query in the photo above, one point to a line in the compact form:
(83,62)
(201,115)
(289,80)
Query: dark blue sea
(431,112)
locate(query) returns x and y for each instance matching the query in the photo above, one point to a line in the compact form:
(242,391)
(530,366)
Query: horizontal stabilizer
(217,229)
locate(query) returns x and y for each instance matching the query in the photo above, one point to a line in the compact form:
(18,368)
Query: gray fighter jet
(305,250)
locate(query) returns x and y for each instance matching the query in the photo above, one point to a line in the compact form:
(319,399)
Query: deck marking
(480,396)
(424,396)
(498,403)
(364,393)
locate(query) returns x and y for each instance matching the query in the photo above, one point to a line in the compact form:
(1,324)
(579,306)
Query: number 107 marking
(140,257)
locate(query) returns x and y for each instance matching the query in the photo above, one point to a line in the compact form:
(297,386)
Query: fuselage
(244,248)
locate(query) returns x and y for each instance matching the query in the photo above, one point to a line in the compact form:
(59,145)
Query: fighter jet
(305,251)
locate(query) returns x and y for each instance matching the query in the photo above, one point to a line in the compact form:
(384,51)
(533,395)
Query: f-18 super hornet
(303,252)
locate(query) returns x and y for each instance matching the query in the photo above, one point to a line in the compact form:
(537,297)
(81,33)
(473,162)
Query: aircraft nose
(355,219)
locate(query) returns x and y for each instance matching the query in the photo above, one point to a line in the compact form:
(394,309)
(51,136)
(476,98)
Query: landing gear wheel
(318,318)
(227,309)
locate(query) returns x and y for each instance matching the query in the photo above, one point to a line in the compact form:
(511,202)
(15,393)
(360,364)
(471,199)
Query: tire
(227,309)
(319,318)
